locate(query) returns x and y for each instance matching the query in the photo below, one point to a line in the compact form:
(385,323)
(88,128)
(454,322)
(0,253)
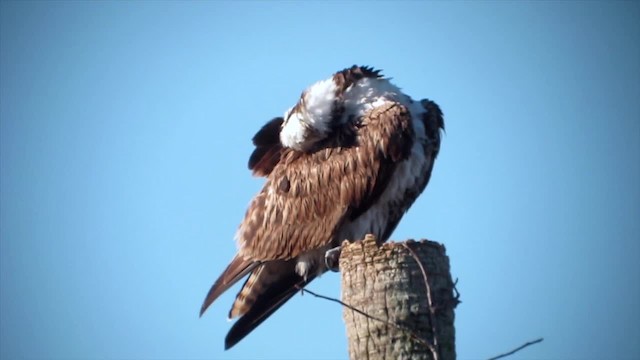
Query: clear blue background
(126,127)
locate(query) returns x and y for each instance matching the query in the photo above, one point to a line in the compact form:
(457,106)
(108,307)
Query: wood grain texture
(388,283)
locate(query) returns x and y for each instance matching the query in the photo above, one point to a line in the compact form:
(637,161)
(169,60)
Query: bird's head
(312,118)
(326,105)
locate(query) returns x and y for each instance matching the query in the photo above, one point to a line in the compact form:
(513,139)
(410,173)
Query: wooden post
(401,300)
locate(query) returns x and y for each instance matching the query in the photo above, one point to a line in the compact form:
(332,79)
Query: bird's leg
(332,257)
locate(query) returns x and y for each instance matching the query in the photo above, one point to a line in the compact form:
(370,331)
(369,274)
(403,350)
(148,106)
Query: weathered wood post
(405,297)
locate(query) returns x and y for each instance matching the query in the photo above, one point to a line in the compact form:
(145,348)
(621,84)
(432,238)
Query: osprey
(347,160)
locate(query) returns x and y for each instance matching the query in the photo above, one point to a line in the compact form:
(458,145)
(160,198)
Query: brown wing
(236,270)
(304,201)
(267,152)
(307,196)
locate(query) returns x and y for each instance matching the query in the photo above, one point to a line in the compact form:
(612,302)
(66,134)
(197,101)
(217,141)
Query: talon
(332,259)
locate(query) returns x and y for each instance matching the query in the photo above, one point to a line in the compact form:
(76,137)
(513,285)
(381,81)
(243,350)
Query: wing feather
(267,152)
(308,196)
(278,283)
(237,269)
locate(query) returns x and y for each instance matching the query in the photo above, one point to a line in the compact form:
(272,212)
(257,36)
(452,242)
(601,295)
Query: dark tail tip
(229,343)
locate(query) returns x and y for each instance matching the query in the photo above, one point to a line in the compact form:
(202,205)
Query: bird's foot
(332,258)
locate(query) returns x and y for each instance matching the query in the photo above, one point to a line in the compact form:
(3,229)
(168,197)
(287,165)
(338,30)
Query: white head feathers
(327,103)
(311,117)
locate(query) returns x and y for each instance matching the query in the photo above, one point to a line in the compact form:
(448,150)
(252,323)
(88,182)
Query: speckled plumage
(351,165)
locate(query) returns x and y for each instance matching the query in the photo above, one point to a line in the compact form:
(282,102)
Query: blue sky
(126,127)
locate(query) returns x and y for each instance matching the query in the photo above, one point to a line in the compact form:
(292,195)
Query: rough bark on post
(405,297)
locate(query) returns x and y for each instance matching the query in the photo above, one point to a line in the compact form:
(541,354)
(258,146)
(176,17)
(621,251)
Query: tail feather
(275,283)
(251,288)
(236,270)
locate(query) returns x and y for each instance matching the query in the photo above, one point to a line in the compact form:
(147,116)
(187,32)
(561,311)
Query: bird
(348,159)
